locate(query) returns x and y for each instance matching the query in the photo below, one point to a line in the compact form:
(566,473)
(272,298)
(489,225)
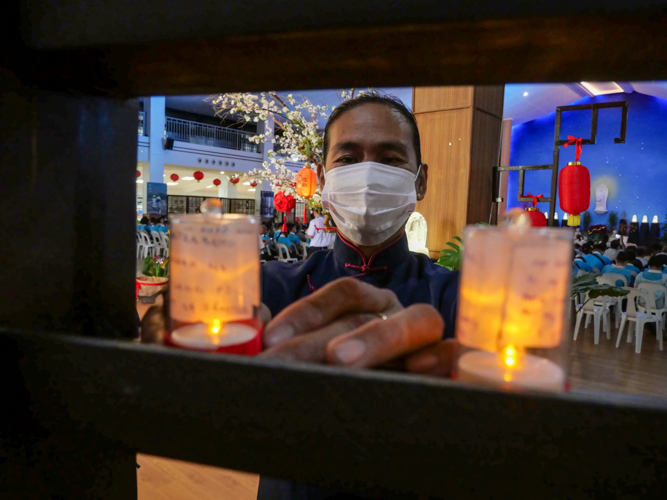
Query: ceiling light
(188,178)
(139,181)
(210,186)
(246,184)
(525,94)
(172,183)
(602,88)
(251,189)
(221,172)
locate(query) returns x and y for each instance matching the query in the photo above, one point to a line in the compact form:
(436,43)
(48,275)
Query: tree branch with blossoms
(298,140)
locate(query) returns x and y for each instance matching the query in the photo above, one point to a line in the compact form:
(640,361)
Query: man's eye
(392,161)
(345,159)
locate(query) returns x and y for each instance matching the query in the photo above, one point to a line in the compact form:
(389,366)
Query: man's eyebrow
(346,145)
(397,146)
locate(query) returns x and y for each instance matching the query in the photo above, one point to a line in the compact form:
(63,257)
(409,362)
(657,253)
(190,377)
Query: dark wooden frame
(77,409)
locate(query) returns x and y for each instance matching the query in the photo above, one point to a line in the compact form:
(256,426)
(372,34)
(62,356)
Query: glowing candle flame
(215,327)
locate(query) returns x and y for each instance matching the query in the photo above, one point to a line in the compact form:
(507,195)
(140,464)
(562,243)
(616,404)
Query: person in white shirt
(319,238)
(614,249)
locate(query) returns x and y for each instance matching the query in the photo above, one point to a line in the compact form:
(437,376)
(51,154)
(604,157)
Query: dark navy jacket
(412,277)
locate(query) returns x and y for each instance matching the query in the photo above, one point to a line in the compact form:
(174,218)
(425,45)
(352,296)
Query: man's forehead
(372,122)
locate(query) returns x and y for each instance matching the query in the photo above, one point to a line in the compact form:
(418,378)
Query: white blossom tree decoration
(298,138)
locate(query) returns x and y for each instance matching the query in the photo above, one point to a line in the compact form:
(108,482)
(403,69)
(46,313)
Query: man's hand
(343,324)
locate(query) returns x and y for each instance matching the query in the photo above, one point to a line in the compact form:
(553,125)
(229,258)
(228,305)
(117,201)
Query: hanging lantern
(198,175)
(306,182)
(284,203)
(234,179)
(217,182)
(574,186)
(174,177)
(253,183)
(138,173)
(537,218)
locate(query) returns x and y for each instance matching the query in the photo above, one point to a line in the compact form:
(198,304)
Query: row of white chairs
(641,309)
(157,244)
(283,252)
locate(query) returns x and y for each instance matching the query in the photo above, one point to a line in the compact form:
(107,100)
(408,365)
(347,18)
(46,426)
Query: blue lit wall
(635,172)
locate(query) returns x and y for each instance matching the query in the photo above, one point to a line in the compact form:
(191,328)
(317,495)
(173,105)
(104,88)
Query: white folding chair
(149,246)
(157,241)
(165,243)
(614,302)
(651,289)
(304,249)
(284,257)
(640,318)
(615,277)
(599,310)
(140,244)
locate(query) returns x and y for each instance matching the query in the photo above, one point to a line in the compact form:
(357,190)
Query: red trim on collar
(366,267)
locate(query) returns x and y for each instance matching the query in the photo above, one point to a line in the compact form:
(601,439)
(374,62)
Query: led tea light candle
(513,306)
(214,292)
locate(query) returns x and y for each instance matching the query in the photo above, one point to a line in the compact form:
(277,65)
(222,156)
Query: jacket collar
(384,259)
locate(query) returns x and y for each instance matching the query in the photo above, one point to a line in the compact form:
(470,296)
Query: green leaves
(450,258)
(588,283)
(158,268)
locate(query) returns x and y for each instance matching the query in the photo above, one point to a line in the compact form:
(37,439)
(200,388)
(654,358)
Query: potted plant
(155,275)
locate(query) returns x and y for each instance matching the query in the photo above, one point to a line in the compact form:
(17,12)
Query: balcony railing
(142,123)
(210,135)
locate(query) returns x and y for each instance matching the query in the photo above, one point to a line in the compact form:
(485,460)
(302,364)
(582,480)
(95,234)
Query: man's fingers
(339,298)
(380,340)
(434,360)
(312,347)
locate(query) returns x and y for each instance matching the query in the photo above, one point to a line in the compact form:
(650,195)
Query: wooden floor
(598,367)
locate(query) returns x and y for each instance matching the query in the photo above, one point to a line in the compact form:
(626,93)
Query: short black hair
(586,248)
(658,261)
(631,253)
(600,247)
(656,247)
(623,257)
(373,97)
(615,244)
(641,251)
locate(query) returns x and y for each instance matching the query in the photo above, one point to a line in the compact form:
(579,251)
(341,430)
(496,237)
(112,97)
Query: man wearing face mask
(369,301)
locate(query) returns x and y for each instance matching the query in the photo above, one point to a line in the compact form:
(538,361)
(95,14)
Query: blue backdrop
(635,172)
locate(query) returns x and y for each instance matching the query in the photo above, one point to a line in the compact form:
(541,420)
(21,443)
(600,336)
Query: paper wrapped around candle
(214,285)
(514,294)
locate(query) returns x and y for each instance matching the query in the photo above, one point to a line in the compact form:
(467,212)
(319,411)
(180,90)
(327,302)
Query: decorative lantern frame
(558,142)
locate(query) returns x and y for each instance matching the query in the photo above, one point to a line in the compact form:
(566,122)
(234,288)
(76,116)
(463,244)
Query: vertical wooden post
(505,149)
(68,265)
(460,138)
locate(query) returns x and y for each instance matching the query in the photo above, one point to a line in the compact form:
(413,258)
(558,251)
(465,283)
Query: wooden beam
(483,51)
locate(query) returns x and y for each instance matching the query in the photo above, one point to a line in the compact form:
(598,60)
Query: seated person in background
(595,258)
(283,239)
(291,234)
(654,274)
(642,256)
(612,251)
(634,264)
(581,264)
(620,268)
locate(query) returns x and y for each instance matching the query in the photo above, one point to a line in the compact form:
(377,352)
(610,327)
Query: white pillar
(258,199)
(154,108)
(223,189)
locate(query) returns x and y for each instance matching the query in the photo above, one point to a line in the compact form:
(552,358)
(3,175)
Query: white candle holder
(214,295)
(513,306)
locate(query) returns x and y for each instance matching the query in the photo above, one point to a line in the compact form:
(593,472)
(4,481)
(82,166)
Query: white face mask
(369,201)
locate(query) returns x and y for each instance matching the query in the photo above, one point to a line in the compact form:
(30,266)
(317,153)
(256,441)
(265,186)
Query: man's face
(375,133)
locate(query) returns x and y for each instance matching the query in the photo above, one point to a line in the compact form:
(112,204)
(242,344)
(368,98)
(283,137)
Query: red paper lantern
(574,191)
(235,180)
(217,182)
(284,204)
(537,218)
(253,183)
(198,175)
(138,173)
(306,182)
(174,177)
